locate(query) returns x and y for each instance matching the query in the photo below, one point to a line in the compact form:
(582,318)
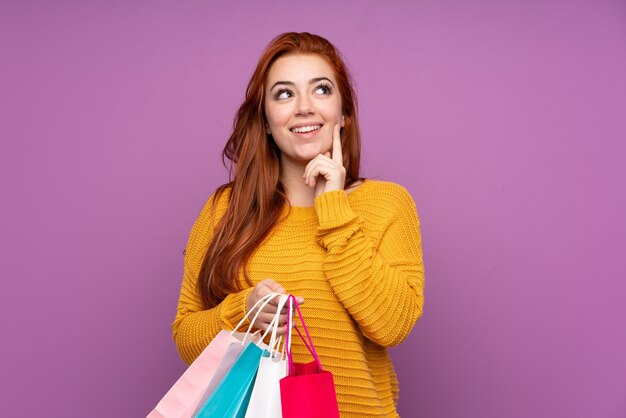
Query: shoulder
(218,200)
(384,199)
(220,197)
(202,230)
(213,209)
(385,191)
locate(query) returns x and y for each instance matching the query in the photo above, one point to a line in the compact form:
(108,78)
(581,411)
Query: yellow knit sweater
(356,259)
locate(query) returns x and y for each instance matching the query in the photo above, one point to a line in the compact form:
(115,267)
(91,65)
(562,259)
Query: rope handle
(274,325)
(293,302)
(263,302)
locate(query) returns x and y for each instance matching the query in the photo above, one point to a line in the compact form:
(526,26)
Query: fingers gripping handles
(292,303)
(262,303)
(274,324)
(307,342)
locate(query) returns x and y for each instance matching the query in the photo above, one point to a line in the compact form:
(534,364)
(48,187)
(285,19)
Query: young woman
(297,218)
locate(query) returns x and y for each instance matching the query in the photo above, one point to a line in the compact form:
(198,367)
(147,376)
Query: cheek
(276,116)
(333,110)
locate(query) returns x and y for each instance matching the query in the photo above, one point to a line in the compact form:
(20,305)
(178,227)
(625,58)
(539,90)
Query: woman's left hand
(329,168)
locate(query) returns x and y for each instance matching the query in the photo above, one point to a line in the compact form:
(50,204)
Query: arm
(194,327)
(380,282)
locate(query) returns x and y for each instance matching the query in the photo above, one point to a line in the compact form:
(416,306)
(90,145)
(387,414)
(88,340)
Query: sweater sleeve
(378,273)
(194,327)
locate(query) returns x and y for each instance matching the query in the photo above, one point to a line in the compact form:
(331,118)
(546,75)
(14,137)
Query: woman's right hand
(264,288)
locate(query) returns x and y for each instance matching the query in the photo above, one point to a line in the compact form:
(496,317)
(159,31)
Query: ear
(267,129)
(343,121)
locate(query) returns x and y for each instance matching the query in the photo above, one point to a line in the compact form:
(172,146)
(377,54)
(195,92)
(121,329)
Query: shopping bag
(308,391)
(182,399)
(231,397)
(233,352)
(265,397)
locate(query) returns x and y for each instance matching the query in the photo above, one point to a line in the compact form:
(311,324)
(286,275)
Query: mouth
(306,131)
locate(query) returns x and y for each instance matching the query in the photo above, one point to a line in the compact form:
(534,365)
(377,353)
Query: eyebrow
(311,81)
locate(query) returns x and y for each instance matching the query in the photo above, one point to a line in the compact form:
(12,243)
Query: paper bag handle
(293,302)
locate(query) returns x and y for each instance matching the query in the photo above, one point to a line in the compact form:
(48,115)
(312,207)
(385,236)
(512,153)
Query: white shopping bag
(265,398)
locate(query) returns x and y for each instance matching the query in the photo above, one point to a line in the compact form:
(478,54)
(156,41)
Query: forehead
(299,69)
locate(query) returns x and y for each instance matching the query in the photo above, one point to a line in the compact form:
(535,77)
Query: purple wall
(506,123)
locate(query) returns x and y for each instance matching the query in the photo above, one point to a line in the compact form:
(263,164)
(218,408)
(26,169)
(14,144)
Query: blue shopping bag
(230,399)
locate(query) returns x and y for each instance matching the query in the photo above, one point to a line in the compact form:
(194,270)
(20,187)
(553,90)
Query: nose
(304,106)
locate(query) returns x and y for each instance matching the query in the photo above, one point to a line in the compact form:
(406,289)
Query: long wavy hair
(257,195)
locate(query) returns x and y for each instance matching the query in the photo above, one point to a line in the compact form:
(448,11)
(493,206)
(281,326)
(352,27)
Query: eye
(282,94)
(324,89)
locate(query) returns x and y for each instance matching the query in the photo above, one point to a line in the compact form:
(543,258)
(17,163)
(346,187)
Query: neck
(298,193)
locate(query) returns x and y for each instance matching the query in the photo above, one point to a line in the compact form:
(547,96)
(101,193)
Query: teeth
(306,129)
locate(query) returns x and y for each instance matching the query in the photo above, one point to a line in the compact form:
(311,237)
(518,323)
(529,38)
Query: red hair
(257,194)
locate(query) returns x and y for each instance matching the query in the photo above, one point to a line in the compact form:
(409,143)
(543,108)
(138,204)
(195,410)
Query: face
(302,106)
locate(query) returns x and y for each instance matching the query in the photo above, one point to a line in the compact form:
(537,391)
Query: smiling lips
(306,131)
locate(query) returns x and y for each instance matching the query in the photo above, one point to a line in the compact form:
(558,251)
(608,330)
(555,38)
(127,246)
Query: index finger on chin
(337,153)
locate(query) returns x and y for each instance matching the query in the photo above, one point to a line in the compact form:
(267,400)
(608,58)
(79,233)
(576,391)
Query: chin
(304,158)
(308,153)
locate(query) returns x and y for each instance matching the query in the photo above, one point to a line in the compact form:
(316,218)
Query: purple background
(505,121)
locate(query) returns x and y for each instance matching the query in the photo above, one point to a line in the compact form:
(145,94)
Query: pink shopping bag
(182,399)
(230,356)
